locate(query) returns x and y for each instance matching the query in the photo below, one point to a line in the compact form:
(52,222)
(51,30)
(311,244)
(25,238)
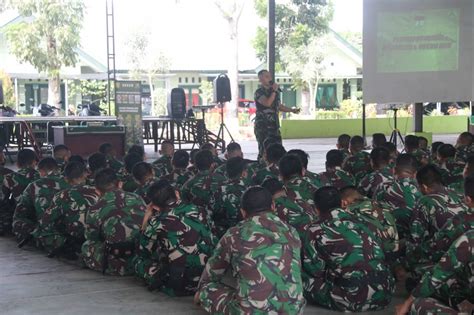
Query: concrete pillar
(418,117)
(353,85)
(271,37)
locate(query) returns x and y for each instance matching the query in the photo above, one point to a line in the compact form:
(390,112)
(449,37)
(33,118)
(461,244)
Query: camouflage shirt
(174,248)
(344,265)
(463,152)
(114,164)
(228,214)
(337,178)
(358,165)
(345,154)
(422,156)
(270,171)
(314,179)
(63,221)
(263,254)
(178,177)
(163,166)
(299,189)
(113,223)
(3,171)
(452,172)
(371,181)
(142,190)
(15,183)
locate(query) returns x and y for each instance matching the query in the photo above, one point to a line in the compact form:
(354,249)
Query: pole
(66,96)
(271,38)
(418,117)
(17,100)
(364,127)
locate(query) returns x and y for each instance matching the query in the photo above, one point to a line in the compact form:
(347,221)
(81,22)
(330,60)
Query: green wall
(297,129)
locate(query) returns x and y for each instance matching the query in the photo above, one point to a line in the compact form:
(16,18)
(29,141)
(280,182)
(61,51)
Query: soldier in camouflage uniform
(35,199)
(382,173)
(468,171)
(144,175)
(358,165)
(112,227)
(392,149)
(61,154)
(291,172)
(61,228)
(448,288)
(268,277)
(267,120)
(343,143)
(311,177)
(378,140)
(464,146)
(180,173)
(175,244)
(344,265)
(400,195)
(381,220)
(412,146)
(212,148)
(13,185)
(451,170)
(96,162)
(192,163)
(111,155)
(163,165)
(228,214)
(334,175)
(296,213)
(125,174)
(431,213)
(232,150)
(272,156)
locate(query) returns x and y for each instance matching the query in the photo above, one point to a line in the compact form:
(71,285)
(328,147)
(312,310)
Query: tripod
(223,129)
(396,135)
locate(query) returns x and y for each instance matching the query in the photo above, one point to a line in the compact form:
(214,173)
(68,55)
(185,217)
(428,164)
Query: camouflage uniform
(35,199)
(251,170)
(5,206)
(399,197)
(178,177)
(128,182)
(314,179)
(383,222)
(345,154)
(421,156)
(15,183)
(430,214)
(112,231)
(452,172)
(344,265)
(163,166)
(267,120)
(358,165)
(142,190)
(270,171)
(62,223)
(450,282)
(174,248)
(371,181)
(264,255)
(337,178)
(300,189)
(463,152)
(114,164)
(228,214)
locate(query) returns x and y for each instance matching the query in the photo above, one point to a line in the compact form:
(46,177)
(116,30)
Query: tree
(49,40)
(231,11)
(206,90)
(8,90)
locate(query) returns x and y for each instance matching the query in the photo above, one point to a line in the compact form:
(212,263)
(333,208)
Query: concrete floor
(31,283)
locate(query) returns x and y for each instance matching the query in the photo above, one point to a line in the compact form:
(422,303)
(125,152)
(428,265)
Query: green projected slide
(418,41)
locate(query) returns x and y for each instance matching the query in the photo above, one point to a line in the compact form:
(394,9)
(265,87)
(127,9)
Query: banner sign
(128,109)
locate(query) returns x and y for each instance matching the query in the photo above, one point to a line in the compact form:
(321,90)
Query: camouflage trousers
(263,130)
(422,306)
(220,299)
(23,229)
(55,242)
(96,258)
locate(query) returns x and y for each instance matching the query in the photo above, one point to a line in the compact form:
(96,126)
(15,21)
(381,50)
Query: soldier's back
(337,178)
(358,165)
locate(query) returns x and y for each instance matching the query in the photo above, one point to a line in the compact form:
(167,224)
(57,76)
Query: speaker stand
(223,129)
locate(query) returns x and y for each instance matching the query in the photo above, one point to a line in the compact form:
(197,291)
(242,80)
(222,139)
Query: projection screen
(418,51)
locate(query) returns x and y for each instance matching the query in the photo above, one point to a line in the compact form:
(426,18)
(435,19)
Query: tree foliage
(8,89)
(206,91)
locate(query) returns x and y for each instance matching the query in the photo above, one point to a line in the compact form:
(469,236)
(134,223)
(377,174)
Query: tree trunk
(54,89)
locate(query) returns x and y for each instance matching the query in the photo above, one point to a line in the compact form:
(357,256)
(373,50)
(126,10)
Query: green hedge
(298,129)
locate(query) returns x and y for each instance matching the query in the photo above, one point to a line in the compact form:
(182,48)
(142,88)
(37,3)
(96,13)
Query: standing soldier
(291,172)
(334,175)
(273,153)
(379,161)
(267,100)
(112,227)
(61,229)
(267,278)
(175,243)
(358,164)
(35,199)
(163,165)
(180,173)
(344,264)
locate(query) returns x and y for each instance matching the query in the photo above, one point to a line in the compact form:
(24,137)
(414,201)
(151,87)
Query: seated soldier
(163,165)
(291,172)
(61,154)
(431,213)
(468,171)
(97,162)
(5,206)
(311,177)
(297,213)
(448,287)
(112,227)
(344,266)
(434,152)
(180,173)
(77,158)
(192,167)
(233,150)
(378,140)
(111,154)
(272,155)
(412,146)
(15,183)
(450,169)
(358,165)
(379,162)
(343,143)
(210,147)
(203,189)
(137,149)
(228,214)
(335,176)
(128,182)
(35,199)
(144,175)
(423,143)
(175,243)
(464,146)
(263,254)
(400,195)
(392,150)
(61,228)
(381,220)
